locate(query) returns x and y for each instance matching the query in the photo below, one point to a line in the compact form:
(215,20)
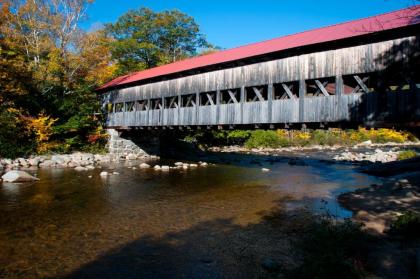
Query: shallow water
(148,224)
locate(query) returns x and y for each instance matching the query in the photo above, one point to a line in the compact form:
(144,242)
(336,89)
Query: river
(208,222)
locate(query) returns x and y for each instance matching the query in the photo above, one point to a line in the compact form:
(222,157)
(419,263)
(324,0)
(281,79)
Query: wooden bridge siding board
(285,111)
(357,59)
(364,108)
(229,114)
(285,70)
(187,116)
(170,117)
(255,112)
(207,115)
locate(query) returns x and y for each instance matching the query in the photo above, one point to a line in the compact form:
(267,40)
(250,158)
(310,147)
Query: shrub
(329,137)
(16,139)
(262,138)
(238,136)
(407,225)
(42,126)
(388,135)
(406,154)
(333,249)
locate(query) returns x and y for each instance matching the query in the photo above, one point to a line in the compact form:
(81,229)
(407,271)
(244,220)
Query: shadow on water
(219,248)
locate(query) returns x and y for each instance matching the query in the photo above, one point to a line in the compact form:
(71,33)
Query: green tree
(145,39)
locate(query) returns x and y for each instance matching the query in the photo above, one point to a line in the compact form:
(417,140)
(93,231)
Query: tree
(145,39)
(49,65)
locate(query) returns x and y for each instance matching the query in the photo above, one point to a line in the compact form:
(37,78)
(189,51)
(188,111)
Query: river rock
(193,165)
(365,143)
(79,168)
(265,170)
(15,176)
(131,157)
(22,161)
(204,164)
(34,161)
(46,164)
(104,173)
(144,166)
(72,164)
(165,168)
(178,164)
(157,167)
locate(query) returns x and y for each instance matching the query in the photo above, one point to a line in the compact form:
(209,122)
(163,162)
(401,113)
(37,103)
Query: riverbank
(365,152)
(78,161)
(379,205)
(389,212)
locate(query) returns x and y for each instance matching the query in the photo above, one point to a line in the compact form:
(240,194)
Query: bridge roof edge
(373,24)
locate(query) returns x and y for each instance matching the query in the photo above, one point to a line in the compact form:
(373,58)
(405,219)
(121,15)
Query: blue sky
(231,23)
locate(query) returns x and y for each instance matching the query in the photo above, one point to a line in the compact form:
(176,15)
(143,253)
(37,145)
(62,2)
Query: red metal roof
(349,29)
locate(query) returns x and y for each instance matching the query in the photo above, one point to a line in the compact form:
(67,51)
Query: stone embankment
(78,161)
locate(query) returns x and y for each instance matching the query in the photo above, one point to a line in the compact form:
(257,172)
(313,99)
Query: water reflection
(66,220)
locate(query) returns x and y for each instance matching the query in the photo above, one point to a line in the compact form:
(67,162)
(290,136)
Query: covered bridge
(362,72)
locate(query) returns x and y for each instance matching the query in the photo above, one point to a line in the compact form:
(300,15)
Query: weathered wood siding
(327,64)
(364,108)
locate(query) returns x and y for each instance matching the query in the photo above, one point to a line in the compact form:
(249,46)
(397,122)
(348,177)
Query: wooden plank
(302,93)
(322,87)
(361,83)
(258,94)
(270,90)
(210,99)
(232,97)
(288,91)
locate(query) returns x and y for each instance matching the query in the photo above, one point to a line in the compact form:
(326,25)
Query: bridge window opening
(208,98)
(141,105)
(230,96)
(129,106)
(119,107)
(357,84)
(256,93)
(156,103)
(320,87)
(284,91)
(188,101)
(171,102)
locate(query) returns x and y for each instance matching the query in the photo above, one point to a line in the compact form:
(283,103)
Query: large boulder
(15,176)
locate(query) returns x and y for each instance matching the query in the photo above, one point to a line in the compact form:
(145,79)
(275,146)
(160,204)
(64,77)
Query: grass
(407,225)
(406,154)
(333,249)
